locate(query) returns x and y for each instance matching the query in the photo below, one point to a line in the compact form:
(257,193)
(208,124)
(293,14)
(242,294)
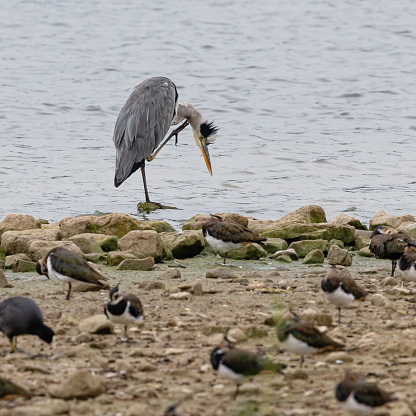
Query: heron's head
(204,135)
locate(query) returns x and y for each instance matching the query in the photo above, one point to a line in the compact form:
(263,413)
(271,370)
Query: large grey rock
(50,407)
(171,274)
(18,241)
(221,273)
(114,258)
(343,219)
(86,242)
(160,226)
(9,260)
(361,242)
(275,244)
(408,228)
(258,225)
(96,324)
(3,281)
(186,244)
(23,266)
(40,248)
(196,222)
(148,243)
(12,386)
(291,253)
(306,215)
(341,256)
(18,222)
(145,264)
(382,218)
(111,224)
(80,384)
(314,257)
(250,251)
(304,247)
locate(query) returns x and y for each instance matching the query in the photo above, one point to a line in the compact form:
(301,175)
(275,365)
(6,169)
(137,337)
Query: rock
(249,388)
(23,266)
(114,258)
(88,287)
(96,324)
(324,231)
(382,218)
(221,273)
(149,243)
(316,317)
(96,257)
(171,274)
(146,367)
(237,335)
(400,408)
(180,296)
(196,289)
(80,384)
(378,300)
(106,242)
(137,264)
(409,228)
(284,258)
(343,219)
(3,281)
(303,247)
(139,409)
(86,242)
(341,256)
(389,281)
(335,356)
(160,226)
(365,252)
(196,222)
(111,224)
(250,251)
(334,242)
(314,257)
(18,241)
(289,252)
(185,244)
(296,374)
(361,242)
(272,245)
(18,222)
(50,407)
(9,386)
(306,215)
(40,248)
(258,225)
(151,285)
(9,260)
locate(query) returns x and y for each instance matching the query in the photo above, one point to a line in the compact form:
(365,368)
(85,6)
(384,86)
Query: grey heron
(144,121)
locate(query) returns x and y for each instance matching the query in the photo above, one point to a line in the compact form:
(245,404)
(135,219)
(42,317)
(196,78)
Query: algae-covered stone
(306,215)
(361,242)
(18,241)
(284,258)
(18,222)
(314,257)
(275,244)
(343,219)
(145,264)
(96,257)
(23,266)
(40,248)
(382,218)
(86,242)
(185,244)
(114,258)
(304,247)
(334,242)
(160,226)
(341,256)
(148,243)
(365,252)
(290,252)
(250,251)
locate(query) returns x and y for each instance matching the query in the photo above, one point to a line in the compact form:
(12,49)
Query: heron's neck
(189,112)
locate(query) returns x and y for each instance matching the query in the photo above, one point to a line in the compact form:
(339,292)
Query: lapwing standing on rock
(359,397)
(407,262)
(123,308)
(22,316)
(238,364)
(68,267)
(301,338)
(224,236)
(387,243)
(341,289)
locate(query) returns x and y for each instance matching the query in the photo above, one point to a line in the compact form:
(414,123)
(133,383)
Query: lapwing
(387,243)
(359,397)
(341,289)
(238,364)
(302,338)
(123,308)
(224,236)
(68,267)
(407,262)
(22,316)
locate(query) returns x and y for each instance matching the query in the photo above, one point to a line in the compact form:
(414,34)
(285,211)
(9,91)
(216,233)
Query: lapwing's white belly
(221,246)
(226,372)
(297,346)
(125,318)
(53,274)
(352,407)
(409,275)
(339,298)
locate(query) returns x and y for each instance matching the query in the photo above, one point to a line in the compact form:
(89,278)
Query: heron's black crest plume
(208,129)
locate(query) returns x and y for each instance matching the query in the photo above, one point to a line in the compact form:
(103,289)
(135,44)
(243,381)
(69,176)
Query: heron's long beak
(203,146)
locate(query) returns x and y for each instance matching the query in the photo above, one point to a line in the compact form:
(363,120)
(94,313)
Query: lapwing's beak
(202,143)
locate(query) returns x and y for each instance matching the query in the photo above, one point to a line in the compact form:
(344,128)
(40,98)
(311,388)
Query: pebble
(237,334)
(149,285)
(171,274)
(401,291)
(249,388)
(221,273)
(96,324)
(49,407)
(297,374)
(389,281)
(342,356)
(180,296)
(378,300)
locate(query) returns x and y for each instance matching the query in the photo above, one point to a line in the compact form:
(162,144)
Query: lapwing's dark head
(383,229)
(114,292)
(41,267)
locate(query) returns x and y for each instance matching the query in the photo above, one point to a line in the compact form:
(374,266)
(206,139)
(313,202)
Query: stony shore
(166,360)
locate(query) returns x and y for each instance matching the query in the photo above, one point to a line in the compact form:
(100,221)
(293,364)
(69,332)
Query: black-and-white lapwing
(123,308)
(224,236)
(302,338)
(22,316)
(359,397)
(407,262)
(68,267)
(340,289)
(238,364)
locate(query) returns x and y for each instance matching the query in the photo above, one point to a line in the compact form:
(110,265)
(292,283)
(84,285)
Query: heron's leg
(174,133)
(145,184)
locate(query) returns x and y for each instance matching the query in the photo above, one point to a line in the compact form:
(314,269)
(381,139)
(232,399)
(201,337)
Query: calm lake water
(315,100)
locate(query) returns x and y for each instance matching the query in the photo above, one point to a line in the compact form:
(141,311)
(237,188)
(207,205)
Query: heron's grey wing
(142,124)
